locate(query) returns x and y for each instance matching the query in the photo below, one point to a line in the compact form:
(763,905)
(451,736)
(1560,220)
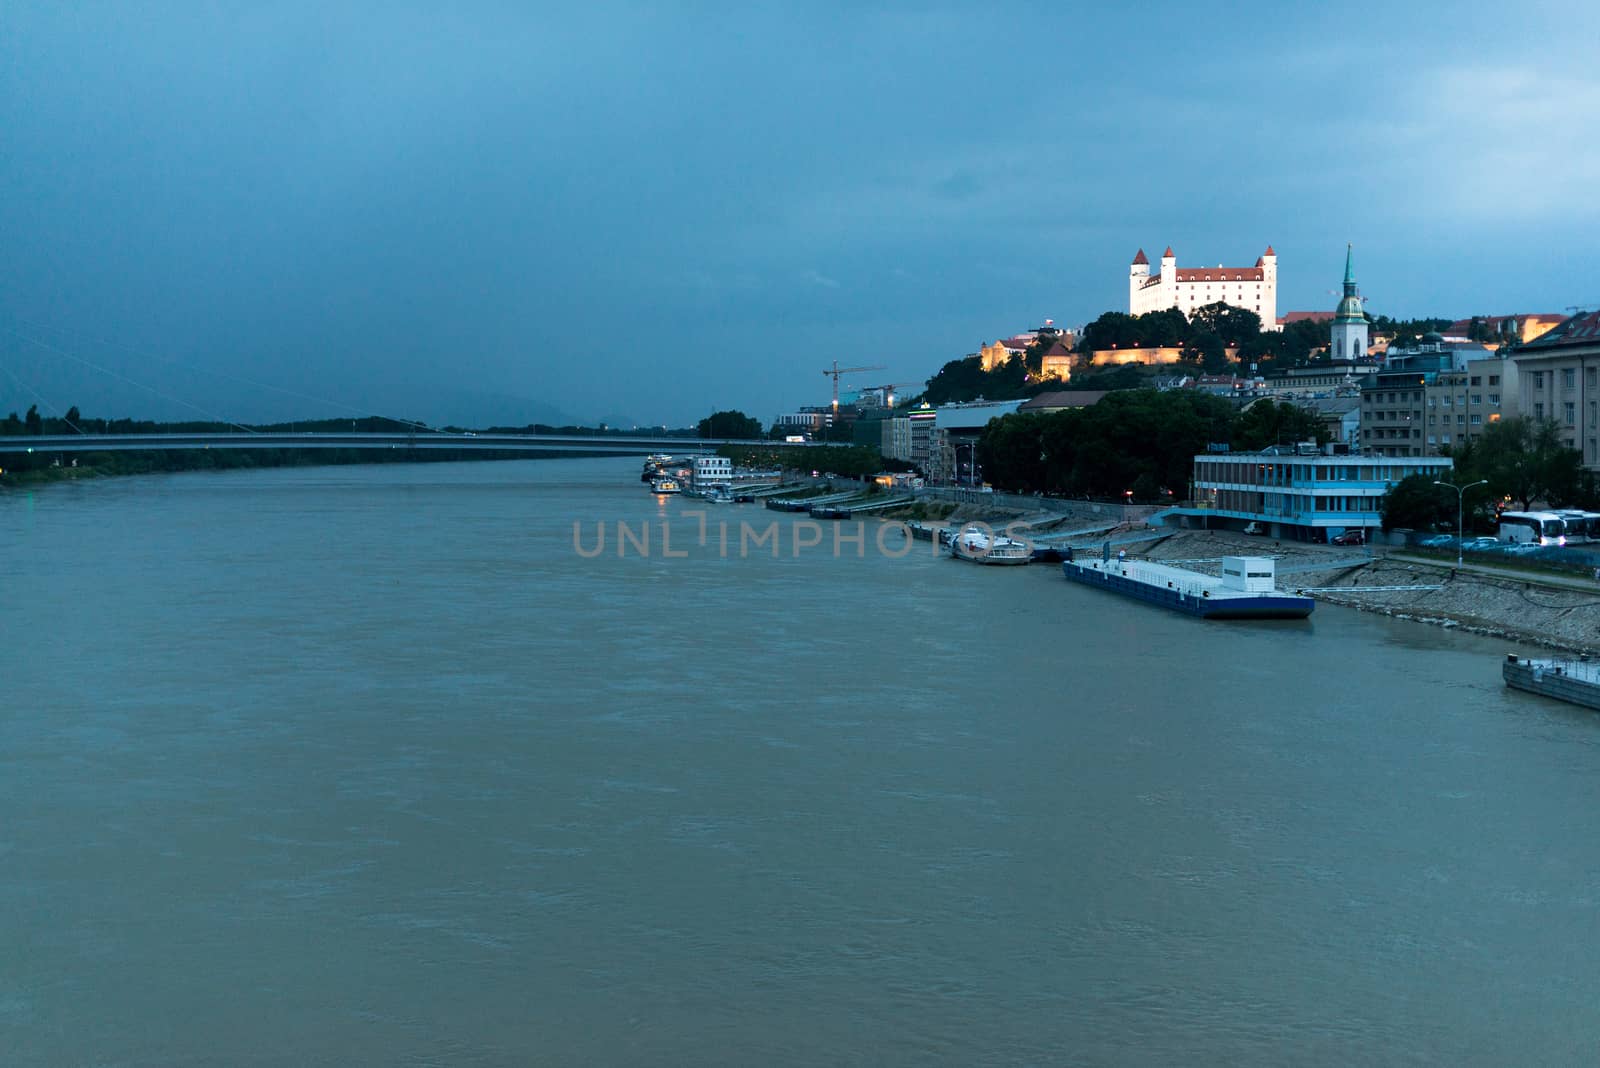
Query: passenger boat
(983,546)
(665,485)
(1245,590)
(719,495)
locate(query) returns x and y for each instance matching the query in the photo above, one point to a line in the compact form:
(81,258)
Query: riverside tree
(730,424)
(1526,460)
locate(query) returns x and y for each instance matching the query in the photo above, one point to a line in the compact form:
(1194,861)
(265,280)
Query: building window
(1593,406)
(1569,377)
(1477,398)
(1494,398)
(1494,380)
(1538,410)
(1474,381)
(1572,413)
(1538,380)
(1477,419)
(1589,375)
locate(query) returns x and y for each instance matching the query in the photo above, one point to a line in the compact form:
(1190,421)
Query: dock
(805,504)
(1575,681)
(847,509)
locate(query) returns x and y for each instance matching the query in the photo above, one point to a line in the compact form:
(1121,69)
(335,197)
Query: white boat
(665,485)
(719,495)
(983,546)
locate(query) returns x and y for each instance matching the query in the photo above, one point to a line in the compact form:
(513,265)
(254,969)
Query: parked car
(1351,537)
(1481,544)
(1255,528)
(1437,541)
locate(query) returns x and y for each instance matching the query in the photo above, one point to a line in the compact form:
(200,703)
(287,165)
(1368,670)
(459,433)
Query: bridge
(591,444)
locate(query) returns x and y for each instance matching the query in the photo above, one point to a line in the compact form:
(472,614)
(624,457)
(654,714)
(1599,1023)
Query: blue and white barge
(1246,589)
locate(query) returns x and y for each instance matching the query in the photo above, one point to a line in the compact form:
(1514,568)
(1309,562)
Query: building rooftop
(1581,329)
(1060,399)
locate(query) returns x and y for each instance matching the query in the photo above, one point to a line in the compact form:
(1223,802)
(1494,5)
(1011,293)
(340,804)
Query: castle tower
(1349,330)
(1269,290)
(1138,273)
(1169,279)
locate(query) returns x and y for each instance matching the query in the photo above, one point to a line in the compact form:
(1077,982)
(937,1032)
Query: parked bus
(1580,526)
(1532,528)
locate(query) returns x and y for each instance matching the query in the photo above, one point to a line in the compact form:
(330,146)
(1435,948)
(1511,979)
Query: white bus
(1532,528)
(1580,526)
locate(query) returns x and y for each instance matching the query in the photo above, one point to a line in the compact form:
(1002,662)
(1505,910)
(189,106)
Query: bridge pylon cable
(213,416)
(39,398)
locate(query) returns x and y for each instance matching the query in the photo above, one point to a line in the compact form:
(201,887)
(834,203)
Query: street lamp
(1461,496)
(972,462)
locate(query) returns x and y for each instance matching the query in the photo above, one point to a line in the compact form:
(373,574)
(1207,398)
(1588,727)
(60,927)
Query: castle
(1254,289)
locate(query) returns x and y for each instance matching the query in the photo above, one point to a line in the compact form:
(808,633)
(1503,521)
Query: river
(382,765)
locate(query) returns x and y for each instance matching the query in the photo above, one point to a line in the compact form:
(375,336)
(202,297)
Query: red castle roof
(1139,258)
(1221,274)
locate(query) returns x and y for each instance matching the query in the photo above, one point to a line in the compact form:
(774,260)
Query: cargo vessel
(1246,589)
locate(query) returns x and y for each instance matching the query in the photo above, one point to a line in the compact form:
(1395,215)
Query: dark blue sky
(634,212)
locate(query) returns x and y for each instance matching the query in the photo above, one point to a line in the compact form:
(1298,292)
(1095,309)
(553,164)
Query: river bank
(1520,609)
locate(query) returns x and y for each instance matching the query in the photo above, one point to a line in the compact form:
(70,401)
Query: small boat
(983,546)
(665,485)
(719,495)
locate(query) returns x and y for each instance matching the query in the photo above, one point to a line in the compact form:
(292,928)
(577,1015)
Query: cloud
(1488,143)
(819,279)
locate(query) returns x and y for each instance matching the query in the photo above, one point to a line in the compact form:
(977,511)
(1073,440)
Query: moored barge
(1246,588)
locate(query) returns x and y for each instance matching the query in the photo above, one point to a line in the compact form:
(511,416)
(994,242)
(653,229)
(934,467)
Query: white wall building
(711,471)
(1254,289)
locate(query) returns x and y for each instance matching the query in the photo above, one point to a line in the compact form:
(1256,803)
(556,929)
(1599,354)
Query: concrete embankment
(1521,609)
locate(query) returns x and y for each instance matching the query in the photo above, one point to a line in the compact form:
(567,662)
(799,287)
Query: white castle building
(1254,289)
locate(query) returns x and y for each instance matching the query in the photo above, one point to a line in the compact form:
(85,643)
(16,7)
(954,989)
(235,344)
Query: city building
(1433,396)
(1341,417)
(710,471)
(1062,400)
(1057,360)
(1496,329)
(1251,288)
(1326,376)
(1296,492)
(953,441)
(1557,373)
(907,437)
(805,421)
(1348,338)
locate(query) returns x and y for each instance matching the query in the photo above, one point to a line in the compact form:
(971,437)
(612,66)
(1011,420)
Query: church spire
(1349,271)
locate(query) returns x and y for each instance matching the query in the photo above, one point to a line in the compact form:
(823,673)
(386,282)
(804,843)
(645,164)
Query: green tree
(1415,503)
(1265,423)
(730,424)
(1209,351)
(1523,459)
(34,424)
(1234,326)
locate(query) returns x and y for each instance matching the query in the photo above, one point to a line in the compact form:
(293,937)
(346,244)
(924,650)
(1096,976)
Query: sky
(486,213)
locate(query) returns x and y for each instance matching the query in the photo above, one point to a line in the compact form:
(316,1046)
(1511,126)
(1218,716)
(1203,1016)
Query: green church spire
(1349,310)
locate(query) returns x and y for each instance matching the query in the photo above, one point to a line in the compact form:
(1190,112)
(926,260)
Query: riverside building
(1296,492)
(1560,381)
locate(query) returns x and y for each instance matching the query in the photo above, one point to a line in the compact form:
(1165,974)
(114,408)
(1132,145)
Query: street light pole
(1461,496)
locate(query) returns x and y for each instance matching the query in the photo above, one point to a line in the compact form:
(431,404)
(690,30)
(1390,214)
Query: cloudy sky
(482,212)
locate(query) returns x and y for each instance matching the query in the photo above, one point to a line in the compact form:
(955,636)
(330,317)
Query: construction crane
(888,389)
(836,371)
